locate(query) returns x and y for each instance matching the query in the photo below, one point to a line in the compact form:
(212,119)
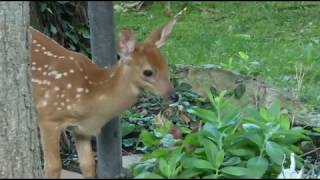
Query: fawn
(70,90)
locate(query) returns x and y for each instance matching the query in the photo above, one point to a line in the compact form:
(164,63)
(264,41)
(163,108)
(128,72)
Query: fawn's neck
(118,86)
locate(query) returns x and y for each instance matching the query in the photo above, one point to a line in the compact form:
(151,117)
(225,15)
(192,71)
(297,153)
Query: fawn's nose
(174,96)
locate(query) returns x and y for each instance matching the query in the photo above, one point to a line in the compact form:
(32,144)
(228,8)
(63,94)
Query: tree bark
(20,153)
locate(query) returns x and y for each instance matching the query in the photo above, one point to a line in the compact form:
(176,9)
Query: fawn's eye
(147,73)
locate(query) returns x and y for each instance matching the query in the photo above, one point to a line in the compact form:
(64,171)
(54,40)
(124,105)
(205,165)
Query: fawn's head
(144,62)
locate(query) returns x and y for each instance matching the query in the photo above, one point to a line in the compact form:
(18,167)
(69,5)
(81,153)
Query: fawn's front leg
(85,153)
(50,138)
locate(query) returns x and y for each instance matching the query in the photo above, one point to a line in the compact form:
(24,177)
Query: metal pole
(103,53)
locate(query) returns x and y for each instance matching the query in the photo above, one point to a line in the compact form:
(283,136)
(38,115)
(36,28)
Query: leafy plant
(231,143)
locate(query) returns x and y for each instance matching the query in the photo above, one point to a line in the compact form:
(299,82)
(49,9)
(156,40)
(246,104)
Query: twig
(314,150)
(180,12)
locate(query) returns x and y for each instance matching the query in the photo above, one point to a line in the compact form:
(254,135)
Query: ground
(267,39)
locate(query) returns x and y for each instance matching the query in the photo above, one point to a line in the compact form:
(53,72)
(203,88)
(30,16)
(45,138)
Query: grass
(265,39)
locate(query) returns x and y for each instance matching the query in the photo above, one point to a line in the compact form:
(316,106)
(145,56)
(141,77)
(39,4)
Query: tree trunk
(20,153)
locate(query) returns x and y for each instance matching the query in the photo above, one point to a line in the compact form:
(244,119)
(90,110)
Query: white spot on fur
(67,100)
(43,48)
(68,107)
(36,50)
(87,90)
(44,73)
(55,103)
(79,89)
(71,58)
(61,57)
(33,63)
(33,68)
(58,76)
(56,88)
(52,73)
(69,86)
(36,81)
(71,71)
(38,45)
(39,69)
(65,74)
(46,95)
(85,77)
(34,41)
(46,66)
(78,95)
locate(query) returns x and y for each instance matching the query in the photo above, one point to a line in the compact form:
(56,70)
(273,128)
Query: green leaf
(232,161)
(258,166)
(219,158)
(164,168)
(197,163)
(126,128)
(255,138)
(234,170)
(160,152)
(53,29)
(148,175)
(243,55)
(285,123)
(147,138)
(204,114)
(241,152)
(275,109)
(168,140)
(210,176)
(209,130)
(275,152)
(189,173)
(210,150)
(316,129)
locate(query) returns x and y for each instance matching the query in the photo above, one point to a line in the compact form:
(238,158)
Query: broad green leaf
(211,150)
(255,138)
(316,129)
(164,167)
(189,173)
(274,110)
(232,161)
(219,158)
(241,152)
(211,176)
(235,170)
(275,152)
(160,152)
(148,175)
(204,114)
(175,157)
(285,123)
(147,138)
(191,139)
(258,166)
(211,131)
(197,163)
(126,128)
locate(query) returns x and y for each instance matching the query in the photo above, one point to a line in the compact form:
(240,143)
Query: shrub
(231,142)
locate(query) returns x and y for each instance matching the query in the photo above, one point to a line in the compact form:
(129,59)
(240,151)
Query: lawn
(266,39)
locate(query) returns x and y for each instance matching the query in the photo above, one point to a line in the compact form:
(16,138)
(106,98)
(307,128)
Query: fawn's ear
(160,36)
(126,44)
